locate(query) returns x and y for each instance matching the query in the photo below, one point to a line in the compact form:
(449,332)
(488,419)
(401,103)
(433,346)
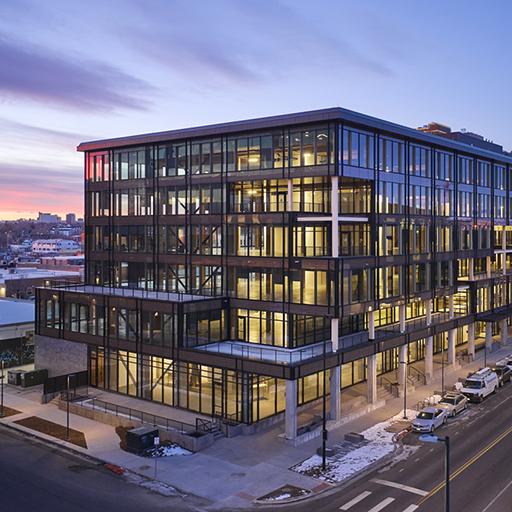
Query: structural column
(335,252)
(335,389)
(290,415)
(429,358)
(451,346)
(488,266)
(289,198)
(335,376)
(488,336)
(371,379)
(401,312)
(471,341)
(504,331)
(371,326)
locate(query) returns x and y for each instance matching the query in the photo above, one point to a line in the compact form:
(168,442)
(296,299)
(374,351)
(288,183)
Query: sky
(73,71)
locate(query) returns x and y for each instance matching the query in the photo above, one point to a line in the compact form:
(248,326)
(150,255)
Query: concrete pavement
(233,471)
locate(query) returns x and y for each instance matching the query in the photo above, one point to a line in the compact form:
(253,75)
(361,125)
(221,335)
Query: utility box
(14,377)
(140,439)
(33,378)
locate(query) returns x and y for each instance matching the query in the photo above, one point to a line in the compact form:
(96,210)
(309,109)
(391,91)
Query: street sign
(428,438)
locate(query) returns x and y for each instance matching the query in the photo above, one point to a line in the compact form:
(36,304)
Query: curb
(113,468)
(359,475)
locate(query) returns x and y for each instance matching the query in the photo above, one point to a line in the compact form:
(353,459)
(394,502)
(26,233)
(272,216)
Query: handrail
(392,387)
(419,375)
(134,414)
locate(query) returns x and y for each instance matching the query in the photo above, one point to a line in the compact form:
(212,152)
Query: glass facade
(282,229)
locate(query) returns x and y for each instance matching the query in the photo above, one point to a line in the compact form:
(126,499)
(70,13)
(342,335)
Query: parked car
(454,403)
(503,372)
(429,418)
(506,361)
(480,384)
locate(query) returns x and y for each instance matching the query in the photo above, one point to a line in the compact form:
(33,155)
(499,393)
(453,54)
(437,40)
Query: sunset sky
(72,71)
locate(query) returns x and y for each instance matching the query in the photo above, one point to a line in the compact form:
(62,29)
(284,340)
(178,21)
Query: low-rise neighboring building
(21,282)
(16,332)
(55,246)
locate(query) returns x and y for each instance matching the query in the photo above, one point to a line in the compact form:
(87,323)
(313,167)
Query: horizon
(71,74)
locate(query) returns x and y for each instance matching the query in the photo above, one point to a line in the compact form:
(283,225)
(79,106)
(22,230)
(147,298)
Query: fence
(60,382)
(135,415)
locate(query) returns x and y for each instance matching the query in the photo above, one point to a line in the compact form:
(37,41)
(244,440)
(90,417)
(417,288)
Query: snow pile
(379,444)
(166,450)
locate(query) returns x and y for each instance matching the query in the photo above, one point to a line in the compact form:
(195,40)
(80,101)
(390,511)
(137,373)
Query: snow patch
(380,443)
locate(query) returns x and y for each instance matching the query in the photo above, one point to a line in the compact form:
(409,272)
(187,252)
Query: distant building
(470,138)
(16,332)
(70,218)
(54,246)
(48,217)
(20,282)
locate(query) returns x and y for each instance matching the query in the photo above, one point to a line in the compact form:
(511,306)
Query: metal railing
(392,387)
(418,375)
(266,353)
(133,414)
(132,292)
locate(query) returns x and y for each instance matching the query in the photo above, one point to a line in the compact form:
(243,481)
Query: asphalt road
(34,476)
(481,469)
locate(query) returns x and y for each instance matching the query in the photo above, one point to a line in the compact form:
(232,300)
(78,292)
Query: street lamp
(405,388)
(2,376)
(429,438)
(442,366)
(68,379)
(324,411)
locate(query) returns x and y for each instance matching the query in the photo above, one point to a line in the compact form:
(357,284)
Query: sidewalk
(232,472)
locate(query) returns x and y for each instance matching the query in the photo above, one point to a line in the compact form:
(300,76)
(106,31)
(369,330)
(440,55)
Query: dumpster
(140,439)
(33,378)
(14,377)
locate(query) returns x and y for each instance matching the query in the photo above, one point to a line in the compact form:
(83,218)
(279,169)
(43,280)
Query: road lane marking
(356,500)
(411,508)
(468,463)
(495,499)
(383,504)
(403,487)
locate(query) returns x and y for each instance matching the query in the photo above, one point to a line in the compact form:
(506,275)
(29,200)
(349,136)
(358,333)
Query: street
(37,477)
(481,480)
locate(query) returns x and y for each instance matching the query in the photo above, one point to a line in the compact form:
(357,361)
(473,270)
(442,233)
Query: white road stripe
(356,500)
(495,499)
(411,508)
(403,487)
(384,503)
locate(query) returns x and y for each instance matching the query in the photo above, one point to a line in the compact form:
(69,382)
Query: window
(419,161)
(465,170)
(483,174)
(444,166)
(499,177)
(130,165)
(391,197)
(358,148)
(391,155)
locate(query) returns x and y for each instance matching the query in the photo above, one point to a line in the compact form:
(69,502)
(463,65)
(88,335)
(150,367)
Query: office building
(229,266)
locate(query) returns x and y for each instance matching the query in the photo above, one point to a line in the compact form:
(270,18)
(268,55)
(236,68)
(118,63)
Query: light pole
(324,412)
(429,438)
(2,390)
(405,388)
(442,367)
(68,379)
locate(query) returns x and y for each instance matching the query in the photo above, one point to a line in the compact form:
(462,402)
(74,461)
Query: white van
(480,384)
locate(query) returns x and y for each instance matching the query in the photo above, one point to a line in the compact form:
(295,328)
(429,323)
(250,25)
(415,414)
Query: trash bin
(14,377)
(33,378)
(140,439)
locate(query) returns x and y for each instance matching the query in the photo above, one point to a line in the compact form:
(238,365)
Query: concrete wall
(59,356)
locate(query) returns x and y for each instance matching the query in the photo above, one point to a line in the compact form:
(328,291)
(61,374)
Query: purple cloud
(36,74)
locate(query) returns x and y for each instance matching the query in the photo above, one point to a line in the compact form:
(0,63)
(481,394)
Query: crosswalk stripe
(383,504)
(407,488)
(356,500)
(411,508)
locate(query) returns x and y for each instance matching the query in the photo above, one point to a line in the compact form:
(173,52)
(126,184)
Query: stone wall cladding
(59,356)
